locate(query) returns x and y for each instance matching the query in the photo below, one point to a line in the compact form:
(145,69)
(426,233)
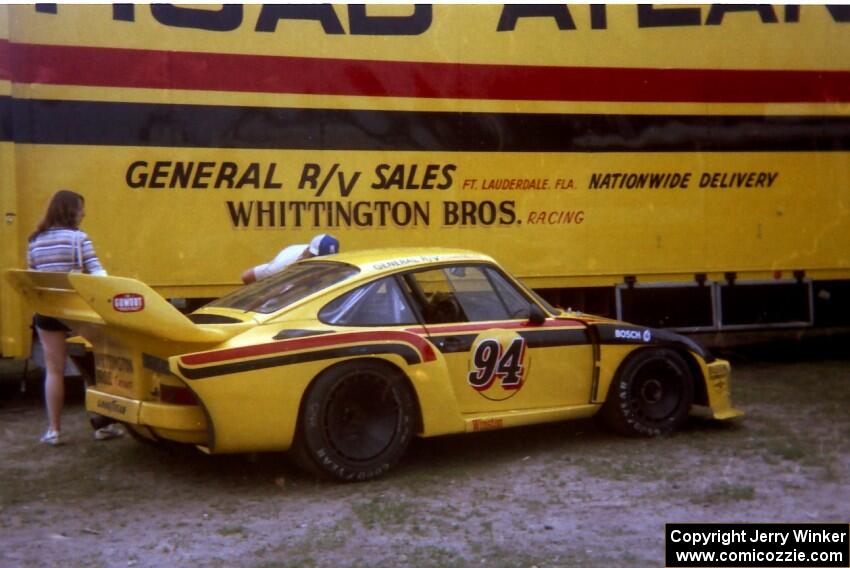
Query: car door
(498,360)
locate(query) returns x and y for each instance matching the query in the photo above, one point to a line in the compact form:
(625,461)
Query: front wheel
(651,394)
(356,421)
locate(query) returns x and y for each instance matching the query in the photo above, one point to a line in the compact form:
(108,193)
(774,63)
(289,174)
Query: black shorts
(49,324)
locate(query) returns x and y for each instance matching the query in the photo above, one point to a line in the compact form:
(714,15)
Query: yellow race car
(343,359)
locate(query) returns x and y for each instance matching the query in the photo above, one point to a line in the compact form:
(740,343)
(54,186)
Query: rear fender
(270,380)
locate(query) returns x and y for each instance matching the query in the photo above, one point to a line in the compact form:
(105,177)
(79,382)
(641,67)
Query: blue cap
(323,244)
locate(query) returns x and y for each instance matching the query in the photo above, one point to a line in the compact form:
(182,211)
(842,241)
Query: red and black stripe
(157,69)
(413,348)
(221,126)
(408,353)
(458,338)
(205,126)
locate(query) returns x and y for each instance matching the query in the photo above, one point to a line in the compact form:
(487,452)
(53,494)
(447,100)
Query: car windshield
(549,307)
(296,282)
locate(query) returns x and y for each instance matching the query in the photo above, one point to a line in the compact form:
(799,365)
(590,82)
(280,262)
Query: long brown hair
(62,212)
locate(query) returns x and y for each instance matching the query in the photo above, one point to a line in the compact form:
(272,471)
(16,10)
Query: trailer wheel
(356,421)
(651,394)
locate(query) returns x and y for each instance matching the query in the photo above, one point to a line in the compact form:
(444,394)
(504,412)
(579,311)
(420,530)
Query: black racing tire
(651,394)
(356,421)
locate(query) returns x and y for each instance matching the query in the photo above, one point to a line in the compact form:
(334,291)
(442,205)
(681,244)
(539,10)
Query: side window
(476,293)
(435,297)
(516,304)
(465,293)
(377,303)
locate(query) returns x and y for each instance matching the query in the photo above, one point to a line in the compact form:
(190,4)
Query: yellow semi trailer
(674,166)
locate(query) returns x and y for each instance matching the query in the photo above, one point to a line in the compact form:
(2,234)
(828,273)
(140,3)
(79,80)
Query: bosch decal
(626,334)
(128,303)
(633,334)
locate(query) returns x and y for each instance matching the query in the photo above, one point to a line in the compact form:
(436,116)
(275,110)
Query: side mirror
(536,315)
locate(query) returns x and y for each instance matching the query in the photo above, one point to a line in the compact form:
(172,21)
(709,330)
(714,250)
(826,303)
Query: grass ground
(554,495)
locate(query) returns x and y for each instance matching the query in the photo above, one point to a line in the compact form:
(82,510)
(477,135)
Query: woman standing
(57,245)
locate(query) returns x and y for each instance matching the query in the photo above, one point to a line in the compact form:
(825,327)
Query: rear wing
(110,301)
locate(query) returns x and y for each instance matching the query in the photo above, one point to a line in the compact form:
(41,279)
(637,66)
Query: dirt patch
(556,495)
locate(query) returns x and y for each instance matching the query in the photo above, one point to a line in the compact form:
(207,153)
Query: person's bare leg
(53,343)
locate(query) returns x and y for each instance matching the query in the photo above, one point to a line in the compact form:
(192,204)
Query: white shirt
(283,259)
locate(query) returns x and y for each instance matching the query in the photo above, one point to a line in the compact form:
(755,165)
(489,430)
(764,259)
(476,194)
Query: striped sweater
(63,250)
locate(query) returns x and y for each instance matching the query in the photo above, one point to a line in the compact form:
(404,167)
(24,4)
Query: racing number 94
(491,362)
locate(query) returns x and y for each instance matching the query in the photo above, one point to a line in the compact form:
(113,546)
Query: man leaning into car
(320,245)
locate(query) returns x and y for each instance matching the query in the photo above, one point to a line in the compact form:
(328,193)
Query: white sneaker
(52,438)
(109,432)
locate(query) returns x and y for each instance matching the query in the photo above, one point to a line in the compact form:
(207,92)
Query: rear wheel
(651,394)
(356,421)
